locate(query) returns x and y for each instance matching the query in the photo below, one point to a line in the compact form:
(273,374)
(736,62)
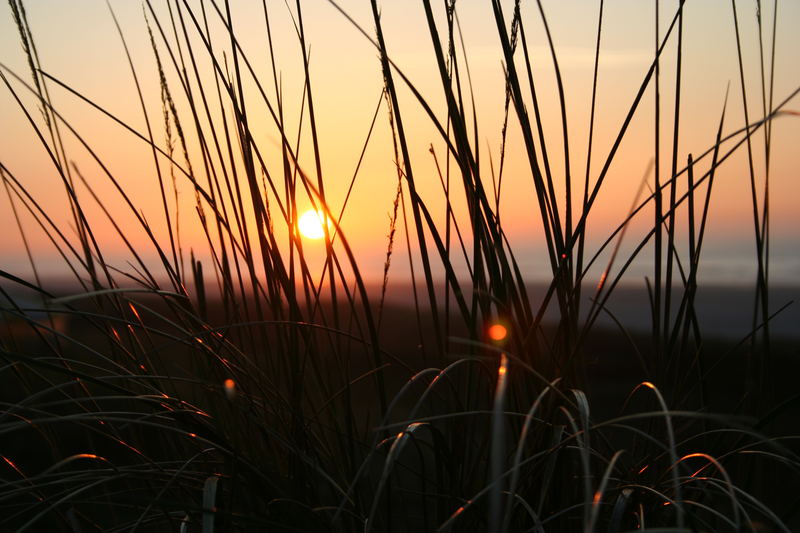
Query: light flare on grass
(135,312)
(230,389)
(497,332)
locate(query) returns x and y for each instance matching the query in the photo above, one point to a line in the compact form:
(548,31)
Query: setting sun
(310,224)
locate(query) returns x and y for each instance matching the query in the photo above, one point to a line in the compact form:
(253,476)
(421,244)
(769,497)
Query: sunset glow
(344,114)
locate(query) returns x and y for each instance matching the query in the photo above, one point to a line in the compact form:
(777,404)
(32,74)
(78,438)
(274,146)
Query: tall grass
(250,391)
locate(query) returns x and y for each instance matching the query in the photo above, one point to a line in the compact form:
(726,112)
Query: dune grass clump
(231,386)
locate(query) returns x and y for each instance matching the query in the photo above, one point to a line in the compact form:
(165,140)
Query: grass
(248,391)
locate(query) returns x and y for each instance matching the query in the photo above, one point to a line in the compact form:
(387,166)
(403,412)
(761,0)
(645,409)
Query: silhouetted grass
(249,392)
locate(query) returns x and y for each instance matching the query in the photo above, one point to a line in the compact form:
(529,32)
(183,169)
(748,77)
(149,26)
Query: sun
(310,224)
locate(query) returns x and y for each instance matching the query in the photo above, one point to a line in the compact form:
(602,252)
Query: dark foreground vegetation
(245,392)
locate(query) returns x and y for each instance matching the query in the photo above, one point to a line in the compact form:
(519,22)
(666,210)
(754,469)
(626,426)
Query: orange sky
(78,44)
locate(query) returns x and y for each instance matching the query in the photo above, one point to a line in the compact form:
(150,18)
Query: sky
(78,44)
